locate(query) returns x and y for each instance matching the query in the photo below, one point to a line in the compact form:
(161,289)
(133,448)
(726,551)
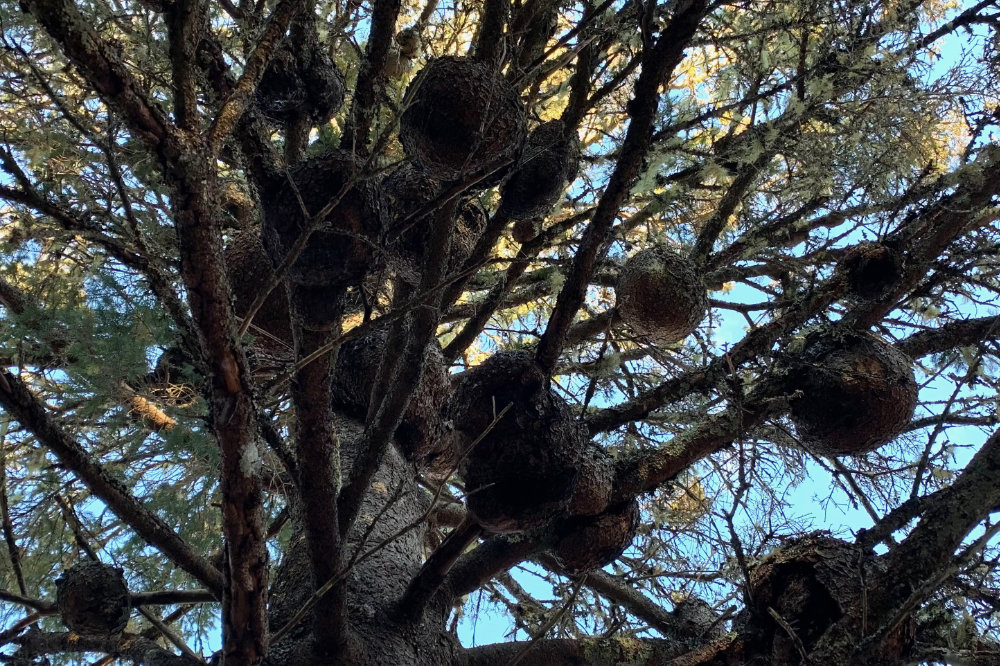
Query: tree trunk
(387,542)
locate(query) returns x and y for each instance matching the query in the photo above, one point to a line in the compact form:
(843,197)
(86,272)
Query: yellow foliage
(689,501)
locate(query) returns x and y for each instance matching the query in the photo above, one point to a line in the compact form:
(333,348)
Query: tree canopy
(327,326)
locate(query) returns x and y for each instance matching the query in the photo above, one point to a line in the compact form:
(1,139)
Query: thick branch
(756,342)
(658,63)
(242,94)
(170,597)
(490,42)
(422,326)
(318,459)
(647,470)
(622,593)
(602,652)
(950,335)
(428,580)
(370,79)
(102,67)
(916,567)
(184,23)
(484,310)
(496,554)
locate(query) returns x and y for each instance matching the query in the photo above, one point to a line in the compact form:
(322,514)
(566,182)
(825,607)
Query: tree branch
(423,324)
(657,65)
(33,415)
(492,556)
(318,460)
(950,335)
(103,68)
(241,95)
(185,20)
(603,652)
(646,470)
(362,112)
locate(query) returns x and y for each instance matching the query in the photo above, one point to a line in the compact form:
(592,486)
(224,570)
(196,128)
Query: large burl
(343,212)
(523,471)
(661,296)
(853,393)
(416,202)
(464,119)
(550,160)
(425,436)
(810,583)
(93,599)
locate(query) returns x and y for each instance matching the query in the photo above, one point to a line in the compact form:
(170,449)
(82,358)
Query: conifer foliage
(624,332)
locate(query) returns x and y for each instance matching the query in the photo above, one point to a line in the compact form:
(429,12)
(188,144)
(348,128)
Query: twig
(551,623)
(791,634)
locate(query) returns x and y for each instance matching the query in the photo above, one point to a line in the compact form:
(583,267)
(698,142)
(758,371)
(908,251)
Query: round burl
(424,436)
(464,118)
(855,393)
(411,194)
(550,160)
(870,268)
(811,582)
(340,249)
(661,296)
(591,542)
(698,618)
(307,83)
(93,599)
(594,485)
(523,472)
(250,271)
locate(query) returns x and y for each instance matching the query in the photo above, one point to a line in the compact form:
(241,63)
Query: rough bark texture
(369,572)
(386,553)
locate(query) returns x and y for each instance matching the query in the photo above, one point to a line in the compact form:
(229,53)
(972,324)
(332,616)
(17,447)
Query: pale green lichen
(622,651)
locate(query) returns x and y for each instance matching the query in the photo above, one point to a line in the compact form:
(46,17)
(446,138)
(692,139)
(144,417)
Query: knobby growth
(664,333)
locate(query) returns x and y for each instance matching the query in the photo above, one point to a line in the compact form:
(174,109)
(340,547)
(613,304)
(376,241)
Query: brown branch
(241,95)
(318,459)
(423,325)
(428,580)
(484,310)
(9,634)
(634,601)
(33,415)
(185,20)
(756,342)
(496,554)
(657,65)
(727,205)
(43,607)
(490,44)
(947,518)
(233,416)
(103,68)
(8,525)
(581,81)
(644,471)
(950,335)
(127,646)
(169,597)
(603,651)
(370,79)
(79,531)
